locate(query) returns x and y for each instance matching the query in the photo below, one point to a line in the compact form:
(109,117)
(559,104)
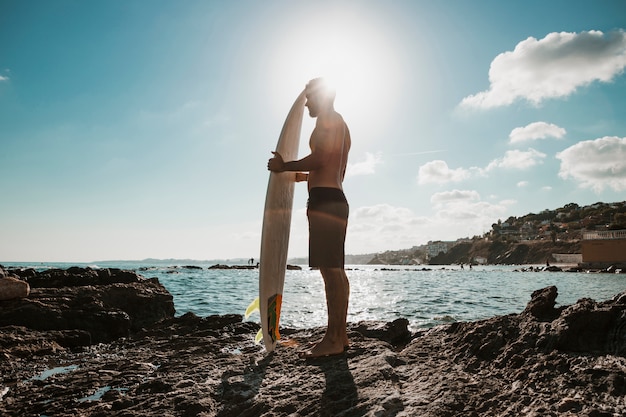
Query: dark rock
(76,276)
(121,303)
(220,266)
(541,305)
(553,269)
(569,404)
(12,286)
(395,332)
(588,326)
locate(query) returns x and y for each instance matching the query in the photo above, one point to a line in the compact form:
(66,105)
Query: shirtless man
(327,209)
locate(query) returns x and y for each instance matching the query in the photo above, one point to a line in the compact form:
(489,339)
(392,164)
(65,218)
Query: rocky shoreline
(106,343)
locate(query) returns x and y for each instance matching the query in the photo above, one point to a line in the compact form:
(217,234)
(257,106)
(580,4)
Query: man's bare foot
(323,349)
(346,344)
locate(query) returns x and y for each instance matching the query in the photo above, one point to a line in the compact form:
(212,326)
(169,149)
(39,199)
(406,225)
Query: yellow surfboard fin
(254,306)
(259,337)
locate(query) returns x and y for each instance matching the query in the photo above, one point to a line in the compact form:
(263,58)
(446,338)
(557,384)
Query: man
(327,209)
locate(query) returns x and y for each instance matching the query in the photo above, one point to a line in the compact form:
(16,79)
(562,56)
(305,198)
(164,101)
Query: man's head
(320,96)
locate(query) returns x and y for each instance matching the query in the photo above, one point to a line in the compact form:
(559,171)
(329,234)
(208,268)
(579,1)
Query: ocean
(426,298)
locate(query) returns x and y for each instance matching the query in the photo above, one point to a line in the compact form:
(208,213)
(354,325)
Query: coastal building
(604,248)
(435,248)
(528,231)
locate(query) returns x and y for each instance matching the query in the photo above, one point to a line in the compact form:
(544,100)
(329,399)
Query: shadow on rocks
(340,395)
(237,391)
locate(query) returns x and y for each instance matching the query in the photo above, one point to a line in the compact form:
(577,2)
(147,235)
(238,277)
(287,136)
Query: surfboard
(276,227)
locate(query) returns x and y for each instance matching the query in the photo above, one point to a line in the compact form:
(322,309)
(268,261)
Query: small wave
(445,319)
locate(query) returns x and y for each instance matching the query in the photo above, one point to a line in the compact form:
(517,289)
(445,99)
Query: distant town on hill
(532,238)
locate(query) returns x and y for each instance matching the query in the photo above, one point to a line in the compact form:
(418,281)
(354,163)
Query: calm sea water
(425,298)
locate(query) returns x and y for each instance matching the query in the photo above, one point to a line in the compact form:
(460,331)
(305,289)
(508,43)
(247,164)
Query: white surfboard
(276,227)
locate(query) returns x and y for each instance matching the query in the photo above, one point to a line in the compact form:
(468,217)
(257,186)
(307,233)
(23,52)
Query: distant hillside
(493,251)
(529,239)
(508,253)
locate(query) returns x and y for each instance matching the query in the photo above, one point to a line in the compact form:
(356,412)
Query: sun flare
(352,55)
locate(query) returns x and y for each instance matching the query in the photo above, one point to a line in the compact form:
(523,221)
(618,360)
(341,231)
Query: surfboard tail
(254,306)
(259,337)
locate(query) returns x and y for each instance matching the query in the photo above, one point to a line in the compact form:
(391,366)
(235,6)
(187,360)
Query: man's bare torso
(331,138)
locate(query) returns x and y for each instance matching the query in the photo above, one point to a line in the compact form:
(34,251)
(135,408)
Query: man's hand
(276,163)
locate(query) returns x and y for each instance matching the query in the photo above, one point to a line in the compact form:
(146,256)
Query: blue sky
(135,129)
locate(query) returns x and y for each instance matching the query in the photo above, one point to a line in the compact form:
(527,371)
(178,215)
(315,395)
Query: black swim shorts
(327,210)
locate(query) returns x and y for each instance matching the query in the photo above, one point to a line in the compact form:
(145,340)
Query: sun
(353,54)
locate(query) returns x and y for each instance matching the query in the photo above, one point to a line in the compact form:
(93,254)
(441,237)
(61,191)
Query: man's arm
(310,162)
(315,160)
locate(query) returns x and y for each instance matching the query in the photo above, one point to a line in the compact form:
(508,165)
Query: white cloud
(454,196)
(469,218)
(596,164)
(522,184)
(516,159)
(3,78)
(554,66)
(439,172)
(508,202)
(536,130)
(365,167)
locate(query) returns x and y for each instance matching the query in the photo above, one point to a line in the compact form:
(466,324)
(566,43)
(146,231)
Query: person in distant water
(327,209)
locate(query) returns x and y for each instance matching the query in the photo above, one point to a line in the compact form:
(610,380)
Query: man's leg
(337,295)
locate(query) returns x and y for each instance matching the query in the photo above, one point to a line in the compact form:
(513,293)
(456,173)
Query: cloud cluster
(554,66)
(596,164)
(365,167)
(536,130)
(438,172)
(516,159)
(454,196)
